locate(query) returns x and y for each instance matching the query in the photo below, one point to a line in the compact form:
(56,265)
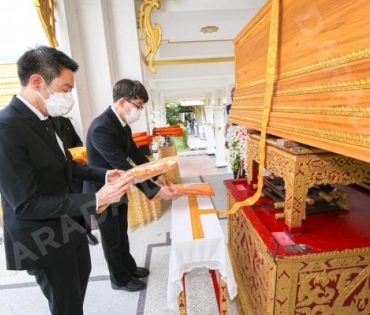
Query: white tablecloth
(188,253)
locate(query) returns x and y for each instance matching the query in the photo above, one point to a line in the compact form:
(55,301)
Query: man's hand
(114,175)
(163,181)
(113,192)
(166,193)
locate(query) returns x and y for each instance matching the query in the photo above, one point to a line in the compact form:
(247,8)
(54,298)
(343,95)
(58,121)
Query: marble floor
(150,245)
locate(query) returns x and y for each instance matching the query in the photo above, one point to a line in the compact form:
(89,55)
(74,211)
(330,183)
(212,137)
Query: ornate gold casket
(303,72)
(321,94)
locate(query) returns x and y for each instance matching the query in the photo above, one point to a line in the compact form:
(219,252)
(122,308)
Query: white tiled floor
(150,245)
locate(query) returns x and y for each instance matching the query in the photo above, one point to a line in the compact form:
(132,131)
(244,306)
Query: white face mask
(58,104)
(134,116)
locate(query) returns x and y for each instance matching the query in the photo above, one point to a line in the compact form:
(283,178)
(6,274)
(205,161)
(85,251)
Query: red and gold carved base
(323,270)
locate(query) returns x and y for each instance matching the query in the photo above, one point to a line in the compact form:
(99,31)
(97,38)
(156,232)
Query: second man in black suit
(109,144)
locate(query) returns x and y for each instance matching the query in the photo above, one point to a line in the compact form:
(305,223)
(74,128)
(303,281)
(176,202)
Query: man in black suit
(72,140)
(42,231)
(109,144)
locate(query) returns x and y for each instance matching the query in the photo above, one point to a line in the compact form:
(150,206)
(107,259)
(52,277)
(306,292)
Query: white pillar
(218,112)
(218,118)
(102,36)
(210,135)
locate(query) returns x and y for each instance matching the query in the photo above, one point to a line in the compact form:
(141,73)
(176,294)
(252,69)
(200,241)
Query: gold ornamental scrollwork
(331,87)
(150,35)
(45,10)
(351,138)
(336,110)
(359,84)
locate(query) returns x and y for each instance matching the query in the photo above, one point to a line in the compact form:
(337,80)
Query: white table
(187,253)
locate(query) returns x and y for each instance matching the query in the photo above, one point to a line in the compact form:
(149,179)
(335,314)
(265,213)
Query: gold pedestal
(302,169)
(141,210)
(174,174)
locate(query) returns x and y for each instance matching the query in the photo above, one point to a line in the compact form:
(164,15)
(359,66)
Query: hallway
(150,245)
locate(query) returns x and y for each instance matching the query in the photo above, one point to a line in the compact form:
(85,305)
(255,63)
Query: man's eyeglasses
(138,107)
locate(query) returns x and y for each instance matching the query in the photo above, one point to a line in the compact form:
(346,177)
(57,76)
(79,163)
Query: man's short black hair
(46,61)
(130,89)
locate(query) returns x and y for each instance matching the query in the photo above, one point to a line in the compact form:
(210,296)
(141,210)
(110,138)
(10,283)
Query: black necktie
(50,129)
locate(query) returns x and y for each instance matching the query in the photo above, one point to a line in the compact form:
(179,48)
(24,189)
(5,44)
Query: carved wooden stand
(302,168)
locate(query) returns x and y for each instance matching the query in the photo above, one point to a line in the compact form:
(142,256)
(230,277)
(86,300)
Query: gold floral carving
(45,11)
(322,64)
(328,63)
(150,35)
(314,89)
(255,272)
(331,87)
(333,110)
(301,172)
(336,110)
(328,283)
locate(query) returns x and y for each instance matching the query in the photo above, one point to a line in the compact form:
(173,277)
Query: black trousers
(113,225)
(64,283)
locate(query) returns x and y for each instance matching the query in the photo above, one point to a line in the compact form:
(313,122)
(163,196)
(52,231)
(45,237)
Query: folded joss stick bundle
(168,131)
(148,170)
(143,140)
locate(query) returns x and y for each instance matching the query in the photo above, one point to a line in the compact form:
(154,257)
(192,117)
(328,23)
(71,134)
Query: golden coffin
(321,85)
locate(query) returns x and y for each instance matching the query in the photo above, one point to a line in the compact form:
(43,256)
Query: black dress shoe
(140,272)
(133,286)
(91,239)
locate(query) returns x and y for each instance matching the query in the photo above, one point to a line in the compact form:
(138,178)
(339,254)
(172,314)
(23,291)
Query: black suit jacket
(109,145)
(40,214)
(70,136)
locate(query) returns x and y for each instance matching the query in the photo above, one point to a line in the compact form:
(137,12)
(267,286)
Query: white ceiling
(193,76)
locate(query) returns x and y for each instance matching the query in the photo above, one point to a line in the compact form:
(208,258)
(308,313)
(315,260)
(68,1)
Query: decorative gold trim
(325,88)
(45,11)
(150,35)
(333,110)
(359,84)
(336,110)
(324,64)
(354,139)
(350,138)
(320,65)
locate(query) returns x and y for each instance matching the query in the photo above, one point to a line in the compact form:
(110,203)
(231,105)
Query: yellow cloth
(174,174)
(141,210)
